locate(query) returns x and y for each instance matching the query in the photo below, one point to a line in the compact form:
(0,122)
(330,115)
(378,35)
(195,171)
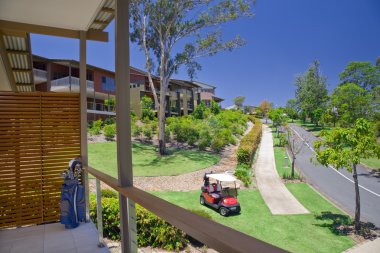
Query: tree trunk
(293,162)
(149,67)
(357,199)
(161,125)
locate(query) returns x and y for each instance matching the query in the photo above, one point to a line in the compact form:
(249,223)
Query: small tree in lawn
(265,106)
(174,34)
(344,148)
(294,145)
(278,118)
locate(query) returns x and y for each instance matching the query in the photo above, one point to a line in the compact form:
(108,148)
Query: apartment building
(206,93)
(62,75)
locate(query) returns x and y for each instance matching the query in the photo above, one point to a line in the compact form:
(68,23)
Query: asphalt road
(338,185)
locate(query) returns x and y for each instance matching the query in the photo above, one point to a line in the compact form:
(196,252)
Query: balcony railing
(65,82)
(100,107)
(40,73)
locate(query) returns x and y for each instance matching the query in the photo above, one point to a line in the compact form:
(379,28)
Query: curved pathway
(277,197)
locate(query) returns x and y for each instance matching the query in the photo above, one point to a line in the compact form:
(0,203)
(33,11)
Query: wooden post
(70,75)
(99,214)
(123,127)
(83,118)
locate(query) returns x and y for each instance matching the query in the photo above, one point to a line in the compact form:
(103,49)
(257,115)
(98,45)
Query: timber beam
(53,31)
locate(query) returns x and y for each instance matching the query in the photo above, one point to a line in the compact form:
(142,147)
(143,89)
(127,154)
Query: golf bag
(72,198)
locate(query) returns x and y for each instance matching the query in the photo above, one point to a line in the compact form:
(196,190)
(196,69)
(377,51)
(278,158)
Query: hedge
(249,143)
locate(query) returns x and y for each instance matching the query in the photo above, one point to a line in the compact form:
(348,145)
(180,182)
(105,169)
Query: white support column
(83,117)
(123,127)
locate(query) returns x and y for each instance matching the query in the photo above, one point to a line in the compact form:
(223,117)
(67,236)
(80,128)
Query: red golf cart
(220,197)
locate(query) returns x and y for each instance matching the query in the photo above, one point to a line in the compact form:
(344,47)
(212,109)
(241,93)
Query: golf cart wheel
(202,200)
(223,211)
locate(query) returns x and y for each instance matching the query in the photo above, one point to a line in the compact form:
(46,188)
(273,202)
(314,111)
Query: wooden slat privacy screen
(39,134)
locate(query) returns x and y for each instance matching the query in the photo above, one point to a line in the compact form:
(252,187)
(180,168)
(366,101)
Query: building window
(207,102)
(57,75)
(90,76)
(108,83)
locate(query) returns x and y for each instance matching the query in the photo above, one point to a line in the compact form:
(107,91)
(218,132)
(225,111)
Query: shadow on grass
(341,224)
(337,223)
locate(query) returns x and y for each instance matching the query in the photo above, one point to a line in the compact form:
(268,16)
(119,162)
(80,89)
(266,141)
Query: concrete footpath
(366,247)
(277,197)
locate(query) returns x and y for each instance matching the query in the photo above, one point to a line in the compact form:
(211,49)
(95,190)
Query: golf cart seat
(213,191)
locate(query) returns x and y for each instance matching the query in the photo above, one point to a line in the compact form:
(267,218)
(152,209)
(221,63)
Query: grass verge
(147,162)
(296,233)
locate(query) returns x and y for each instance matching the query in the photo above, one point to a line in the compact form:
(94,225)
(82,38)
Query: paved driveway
(338,185)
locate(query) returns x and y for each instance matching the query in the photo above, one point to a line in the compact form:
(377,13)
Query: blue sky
(283,38)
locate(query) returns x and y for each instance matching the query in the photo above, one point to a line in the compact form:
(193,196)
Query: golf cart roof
(222,177)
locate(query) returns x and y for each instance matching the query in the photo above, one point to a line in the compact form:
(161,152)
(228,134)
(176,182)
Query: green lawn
(374,163)
(296,233)
(146,161)
(284,167)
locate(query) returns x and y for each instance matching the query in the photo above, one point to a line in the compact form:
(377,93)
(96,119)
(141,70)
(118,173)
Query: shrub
(136,131)
(185,129)
(167,133)
(200,111)
(111,216)
(215,107)
(109,121)
(204,138)
(109,131)
(147,131)
(96,127)
(155,232)
(151,230)
(217,144)
(146,105)
(244,174)
(108,193)
(249,143)
(243,156)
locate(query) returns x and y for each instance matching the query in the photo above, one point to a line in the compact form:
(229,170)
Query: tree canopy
(239,101)
(345,147)
(311,92)
(173,34)
(363,74)
(351,102)
(291,108)
(278,116)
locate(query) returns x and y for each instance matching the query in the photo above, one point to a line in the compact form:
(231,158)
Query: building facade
(60,75)
(207,93)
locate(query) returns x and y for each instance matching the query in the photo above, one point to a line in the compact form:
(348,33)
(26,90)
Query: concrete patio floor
(51,238)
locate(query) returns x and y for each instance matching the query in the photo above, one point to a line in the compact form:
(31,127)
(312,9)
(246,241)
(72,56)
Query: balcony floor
(51,238)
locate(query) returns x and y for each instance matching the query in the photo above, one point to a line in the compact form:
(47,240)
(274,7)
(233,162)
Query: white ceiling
(69,14)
